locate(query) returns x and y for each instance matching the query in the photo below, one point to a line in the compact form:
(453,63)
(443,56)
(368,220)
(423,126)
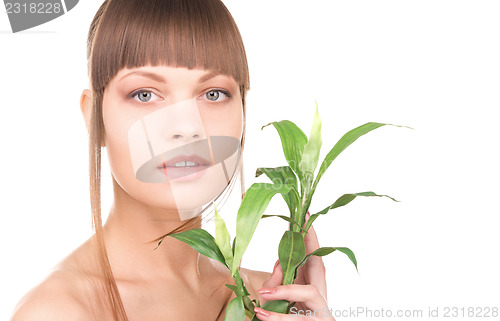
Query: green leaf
(223,239)
(279,306)
(276,306)
(342,144)
(282,175)
(291,252)
(322,251)
(311,151)
(253,205)
(293,141)
(341,201)
(286,218)
(349,254)
(235,310)
(201,241)
(232,287)
(278,175)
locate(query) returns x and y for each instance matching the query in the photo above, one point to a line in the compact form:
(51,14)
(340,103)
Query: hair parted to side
(134,33)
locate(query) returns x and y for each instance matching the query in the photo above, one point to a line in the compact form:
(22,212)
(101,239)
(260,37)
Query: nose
(184,122)
(181,136)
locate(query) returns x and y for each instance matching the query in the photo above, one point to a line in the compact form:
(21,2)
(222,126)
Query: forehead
(166,74)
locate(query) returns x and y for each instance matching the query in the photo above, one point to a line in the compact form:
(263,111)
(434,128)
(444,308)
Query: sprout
(296,183)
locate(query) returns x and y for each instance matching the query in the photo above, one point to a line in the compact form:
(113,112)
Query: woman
(168,83)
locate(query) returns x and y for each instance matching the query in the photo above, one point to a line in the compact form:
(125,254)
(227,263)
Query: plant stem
(242,291)
(298,212)
(305,198)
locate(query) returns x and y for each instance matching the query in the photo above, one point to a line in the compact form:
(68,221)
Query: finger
(311,239)
(295,314)
(314,269)
(275,279)
(301,279)
(307,294)
(274,316)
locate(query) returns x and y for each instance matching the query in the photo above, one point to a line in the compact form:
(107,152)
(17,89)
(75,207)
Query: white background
(431,65)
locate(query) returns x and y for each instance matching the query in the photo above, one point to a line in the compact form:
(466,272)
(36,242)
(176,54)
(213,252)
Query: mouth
(191,160)
(185,161)
(181,166)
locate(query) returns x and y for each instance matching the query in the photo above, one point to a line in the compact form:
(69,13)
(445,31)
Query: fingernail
(276,265)
(266,290)
(262,312)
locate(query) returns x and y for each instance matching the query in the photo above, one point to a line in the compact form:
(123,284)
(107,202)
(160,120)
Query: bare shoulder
(53,299)
(59,297)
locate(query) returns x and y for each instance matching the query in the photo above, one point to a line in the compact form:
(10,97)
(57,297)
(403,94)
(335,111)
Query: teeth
(183,164)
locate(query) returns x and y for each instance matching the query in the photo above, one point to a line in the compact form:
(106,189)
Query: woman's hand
(309,290)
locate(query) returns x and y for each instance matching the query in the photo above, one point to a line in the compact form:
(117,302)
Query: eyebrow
(148,74)
(159,78)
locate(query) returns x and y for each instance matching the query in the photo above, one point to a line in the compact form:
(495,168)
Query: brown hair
(133,33)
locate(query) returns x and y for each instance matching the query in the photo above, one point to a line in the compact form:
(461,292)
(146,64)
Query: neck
(130,231)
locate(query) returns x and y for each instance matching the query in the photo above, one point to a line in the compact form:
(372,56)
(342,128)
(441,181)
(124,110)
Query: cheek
(116,141)
(117,122)
(226,121)
(117,125)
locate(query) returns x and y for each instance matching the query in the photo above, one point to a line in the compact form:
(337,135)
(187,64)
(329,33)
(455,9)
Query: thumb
(275,279)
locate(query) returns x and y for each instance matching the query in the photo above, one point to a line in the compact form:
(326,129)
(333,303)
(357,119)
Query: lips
(185,161)
(184,165)
(191,160)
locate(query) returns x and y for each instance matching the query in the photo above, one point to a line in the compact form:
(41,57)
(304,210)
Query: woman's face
(172,135)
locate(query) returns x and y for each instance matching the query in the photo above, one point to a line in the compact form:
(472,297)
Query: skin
(175,280)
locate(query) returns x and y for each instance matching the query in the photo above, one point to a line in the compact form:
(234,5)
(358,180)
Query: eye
(142,95)
(216,95)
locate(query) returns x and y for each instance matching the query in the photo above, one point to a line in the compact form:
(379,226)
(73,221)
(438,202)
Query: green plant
(297,184)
